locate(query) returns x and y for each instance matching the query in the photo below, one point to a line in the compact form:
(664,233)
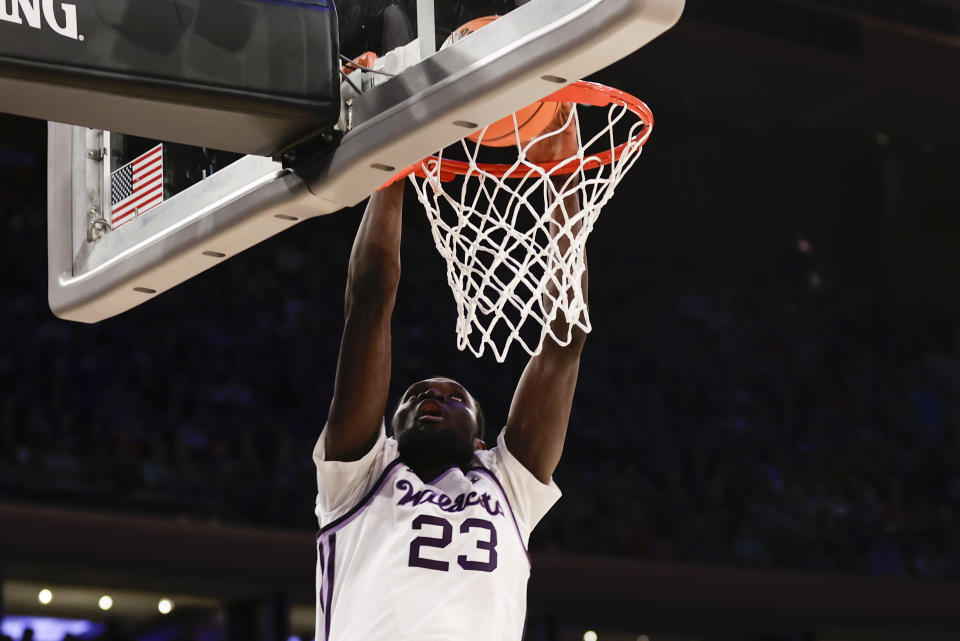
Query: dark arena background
(765,441)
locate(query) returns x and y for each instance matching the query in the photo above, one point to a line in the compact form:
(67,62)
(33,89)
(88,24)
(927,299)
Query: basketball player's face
(436,419)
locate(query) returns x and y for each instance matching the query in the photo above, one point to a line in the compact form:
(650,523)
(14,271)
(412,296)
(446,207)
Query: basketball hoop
(515,257)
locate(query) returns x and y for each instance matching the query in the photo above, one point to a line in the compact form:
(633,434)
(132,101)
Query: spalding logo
(35,12)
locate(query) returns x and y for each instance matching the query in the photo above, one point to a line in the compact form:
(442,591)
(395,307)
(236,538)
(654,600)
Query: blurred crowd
(788,420)
(772,425)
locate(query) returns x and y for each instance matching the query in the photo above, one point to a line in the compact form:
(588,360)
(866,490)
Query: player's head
(438,423)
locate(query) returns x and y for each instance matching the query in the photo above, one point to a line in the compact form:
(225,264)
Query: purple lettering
(444,502)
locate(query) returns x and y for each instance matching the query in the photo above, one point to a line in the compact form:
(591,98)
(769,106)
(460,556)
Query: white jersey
(401,559)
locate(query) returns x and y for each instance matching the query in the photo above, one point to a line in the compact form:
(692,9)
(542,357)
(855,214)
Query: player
(423,536)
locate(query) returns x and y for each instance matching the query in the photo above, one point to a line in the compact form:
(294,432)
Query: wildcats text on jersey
(444,502)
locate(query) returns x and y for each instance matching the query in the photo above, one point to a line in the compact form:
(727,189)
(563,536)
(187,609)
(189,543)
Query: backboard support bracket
(426,28)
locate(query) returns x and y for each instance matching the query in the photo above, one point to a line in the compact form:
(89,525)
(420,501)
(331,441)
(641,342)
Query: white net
(513,235)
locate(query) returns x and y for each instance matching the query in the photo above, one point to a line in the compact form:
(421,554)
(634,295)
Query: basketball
(531,120)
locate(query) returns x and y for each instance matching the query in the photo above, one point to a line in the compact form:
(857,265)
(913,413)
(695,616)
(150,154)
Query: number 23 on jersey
(484,560)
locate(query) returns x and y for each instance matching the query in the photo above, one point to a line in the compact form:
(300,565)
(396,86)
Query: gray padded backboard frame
(525,55)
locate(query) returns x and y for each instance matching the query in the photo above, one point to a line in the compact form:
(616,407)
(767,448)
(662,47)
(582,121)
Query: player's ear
(479,444)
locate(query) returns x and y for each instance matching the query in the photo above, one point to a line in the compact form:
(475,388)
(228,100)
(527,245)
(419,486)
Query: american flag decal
(136,187)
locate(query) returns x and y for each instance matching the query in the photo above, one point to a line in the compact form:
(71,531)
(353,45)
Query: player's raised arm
(363,368)
(540,411)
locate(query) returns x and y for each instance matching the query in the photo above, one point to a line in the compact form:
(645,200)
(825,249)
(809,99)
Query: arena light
(45,596)
(589,635)
(165,606)
(105,602)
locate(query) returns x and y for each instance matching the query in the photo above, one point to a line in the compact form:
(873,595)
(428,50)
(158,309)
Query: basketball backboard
(244,75)
(418,102)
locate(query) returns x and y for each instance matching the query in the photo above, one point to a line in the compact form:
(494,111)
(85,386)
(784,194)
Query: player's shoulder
(484,458)
(390,446)
(495,457)
(488,460)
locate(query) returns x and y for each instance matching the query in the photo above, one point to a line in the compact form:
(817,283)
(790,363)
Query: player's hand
(562,144)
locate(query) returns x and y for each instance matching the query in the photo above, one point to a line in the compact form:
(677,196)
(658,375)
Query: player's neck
(430,454)
(430,473)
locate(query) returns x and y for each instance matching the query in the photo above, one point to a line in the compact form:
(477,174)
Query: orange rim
(580,92)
